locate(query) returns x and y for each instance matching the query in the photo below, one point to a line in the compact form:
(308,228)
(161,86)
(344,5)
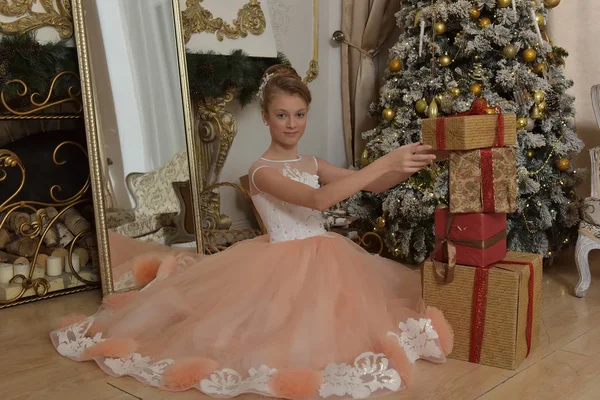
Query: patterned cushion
(153,192)
(117,217)
(145,226)
(589,230)
(591,210)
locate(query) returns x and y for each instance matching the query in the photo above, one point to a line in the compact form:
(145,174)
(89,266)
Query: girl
(299,313)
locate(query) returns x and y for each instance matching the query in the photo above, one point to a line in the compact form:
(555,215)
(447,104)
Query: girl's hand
(409,158)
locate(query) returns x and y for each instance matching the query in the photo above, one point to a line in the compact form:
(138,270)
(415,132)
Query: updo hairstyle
(279,79)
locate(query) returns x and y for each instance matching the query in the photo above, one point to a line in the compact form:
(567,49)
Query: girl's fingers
(423,157)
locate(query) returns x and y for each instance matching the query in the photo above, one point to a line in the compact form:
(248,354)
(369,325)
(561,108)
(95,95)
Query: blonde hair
(281,78)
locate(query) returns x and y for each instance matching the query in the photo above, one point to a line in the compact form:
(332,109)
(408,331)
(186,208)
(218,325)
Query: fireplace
(47,236)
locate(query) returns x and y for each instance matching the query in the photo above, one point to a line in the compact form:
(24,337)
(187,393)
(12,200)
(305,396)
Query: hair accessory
(263,85)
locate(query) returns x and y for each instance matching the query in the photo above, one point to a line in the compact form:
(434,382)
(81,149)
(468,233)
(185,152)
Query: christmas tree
(450,53)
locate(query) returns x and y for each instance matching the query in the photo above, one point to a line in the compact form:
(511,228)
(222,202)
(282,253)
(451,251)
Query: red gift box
(477,240)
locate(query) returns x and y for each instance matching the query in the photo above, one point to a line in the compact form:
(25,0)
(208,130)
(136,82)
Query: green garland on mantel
(210,75)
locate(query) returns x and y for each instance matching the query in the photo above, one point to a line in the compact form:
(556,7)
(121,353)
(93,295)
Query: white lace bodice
(285,221)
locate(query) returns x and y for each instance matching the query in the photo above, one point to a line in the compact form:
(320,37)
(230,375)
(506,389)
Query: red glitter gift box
(473,239)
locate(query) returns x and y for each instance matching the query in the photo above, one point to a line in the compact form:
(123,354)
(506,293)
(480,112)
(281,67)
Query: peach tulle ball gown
(299,313)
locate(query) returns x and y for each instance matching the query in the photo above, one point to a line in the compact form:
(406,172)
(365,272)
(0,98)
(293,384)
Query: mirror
(139,129)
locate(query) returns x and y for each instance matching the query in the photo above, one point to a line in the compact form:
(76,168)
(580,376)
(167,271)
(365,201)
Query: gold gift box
(504,342)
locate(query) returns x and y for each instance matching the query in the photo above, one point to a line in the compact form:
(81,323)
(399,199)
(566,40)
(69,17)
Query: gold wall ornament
(57,16)
(313,65)
(39,102)
(197,19)
(216,129)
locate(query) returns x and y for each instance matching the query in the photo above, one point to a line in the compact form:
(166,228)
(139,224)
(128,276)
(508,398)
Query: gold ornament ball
(380,222)
(476,89)
(439,28)
(388,114)
(454,92)
(445,60)
(529,55)
(551,3)
(503,3)
(539,96)
(563,164)
(539,18)
(438,98)
(421,106)
(394,65)
(521,123)
(474,13)
(530,153)
(483,22)
(510,51)
(364,158)
(540,68)
(490,111)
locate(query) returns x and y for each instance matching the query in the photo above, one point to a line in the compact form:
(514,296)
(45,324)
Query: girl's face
(286,118)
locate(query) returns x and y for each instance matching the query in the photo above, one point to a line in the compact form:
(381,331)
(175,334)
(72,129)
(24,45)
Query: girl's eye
(301,115)
(280,115)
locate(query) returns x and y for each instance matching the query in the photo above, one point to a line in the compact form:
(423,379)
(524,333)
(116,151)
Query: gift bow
(479,107)
(445,271)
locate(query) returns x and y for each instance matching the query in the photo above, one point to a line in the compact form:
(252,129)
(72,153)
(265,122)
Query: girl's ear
(265,117)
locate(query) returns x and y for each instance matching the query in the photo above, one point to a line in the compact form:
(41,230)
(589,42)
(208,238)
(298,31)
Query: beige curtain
(366,24)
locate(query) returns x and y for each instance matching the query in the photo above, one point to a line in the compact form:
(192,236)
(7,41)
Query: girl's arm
(404,160)
(271,181)
(329,173)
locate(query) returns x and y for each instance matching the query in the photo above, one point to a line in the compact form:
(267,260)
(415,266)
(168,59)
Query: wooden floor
(566,366)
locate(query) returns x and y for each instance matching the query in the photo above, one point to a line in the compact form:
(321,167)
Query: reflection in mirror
(139,105)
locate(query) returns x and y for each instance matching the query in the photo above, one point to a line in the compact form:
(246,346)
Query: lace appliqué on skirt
(370,373)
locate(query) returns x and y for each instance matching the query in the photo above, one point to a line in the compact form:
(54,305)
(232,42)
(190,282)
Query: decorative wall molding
(197,19)
(22,18)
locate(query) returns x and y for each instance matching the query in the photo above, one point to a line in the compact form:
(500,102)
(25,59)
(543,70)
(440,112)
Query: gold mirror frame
(92,129)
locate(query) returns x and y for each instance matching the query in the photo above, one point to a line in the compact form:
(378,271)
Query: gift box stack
(491,297)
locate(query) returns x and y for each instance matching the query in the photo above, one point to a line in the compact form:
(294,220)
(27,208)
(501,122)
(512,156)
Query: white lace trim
(370,373)
(419,340)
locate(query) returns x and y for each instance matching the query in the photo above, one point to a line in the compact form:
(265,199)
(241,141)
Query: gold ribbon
(445,271)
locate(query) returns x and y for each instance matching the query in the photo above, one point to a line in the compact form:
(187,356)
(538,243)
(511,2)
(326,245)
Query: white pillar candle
(54,266)
(6,272)
(22,269)
(75,260)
